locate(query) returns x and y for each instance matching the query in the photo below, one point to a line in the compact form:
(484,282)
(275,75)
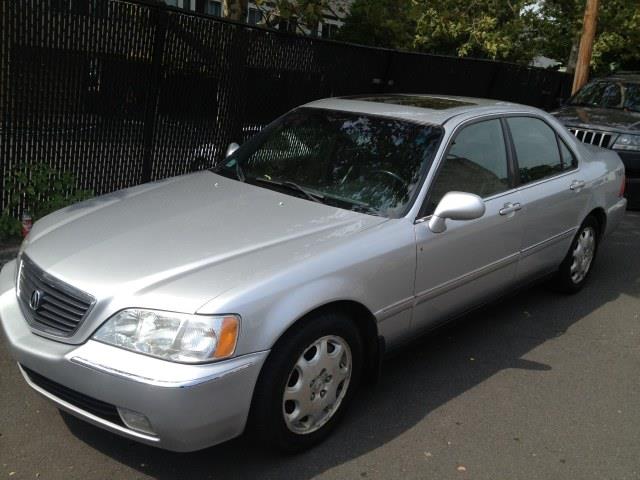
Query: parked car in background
(606,113)
(260,293)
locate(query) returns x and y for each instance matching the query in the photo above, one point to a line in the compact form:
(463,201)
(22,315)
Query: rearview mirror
(231,149)
(456,206)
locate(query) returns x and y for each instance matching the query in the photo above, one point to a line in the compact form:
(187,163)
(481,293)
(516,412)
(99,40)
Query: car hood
(140,240)
(599,118)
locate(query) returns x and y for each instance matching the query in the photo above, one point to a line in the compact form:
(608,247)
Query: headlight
(627,142)
(171,336)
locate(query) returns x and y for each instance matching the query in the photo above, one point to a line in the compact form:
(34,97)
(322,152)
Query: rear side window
(537,149)
(476,162)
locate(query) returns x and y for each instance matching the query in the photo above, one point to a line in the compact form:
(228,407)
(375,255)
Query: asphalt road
(538,386)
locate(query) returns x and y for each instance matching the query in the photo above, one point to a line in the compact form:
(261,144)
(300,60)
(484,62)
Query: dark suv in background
(606,113)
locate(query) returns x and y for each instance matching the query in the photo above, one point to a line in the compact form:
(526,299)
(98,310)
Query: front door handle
(577,185)
(510,208)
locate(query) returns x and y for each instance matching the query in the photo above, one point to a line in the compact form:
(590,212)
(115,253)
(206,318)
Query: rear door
(475,260)
(551,191)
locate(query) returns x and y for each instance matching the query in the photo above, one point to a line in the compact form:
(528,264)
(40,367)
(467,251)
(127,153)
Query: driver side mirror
(231,149)
(456,206)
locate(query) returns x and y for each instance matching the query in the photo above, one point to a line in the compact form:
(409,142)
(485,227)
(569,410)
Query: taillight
(622,186)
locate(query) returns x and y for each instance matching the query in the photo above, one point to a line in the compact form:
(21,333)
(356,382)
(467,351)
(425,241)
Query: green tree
(235,9)
(618,36)
(307,14)
(494,29)
(381,23)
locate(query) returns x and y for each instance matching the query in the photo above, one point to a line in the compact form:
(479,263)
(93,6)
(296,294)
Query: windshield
(609,94)
(355,161)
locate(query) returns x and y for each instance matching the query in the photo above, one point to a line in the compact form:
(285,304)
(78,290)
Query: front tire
(575,268)
(307,383)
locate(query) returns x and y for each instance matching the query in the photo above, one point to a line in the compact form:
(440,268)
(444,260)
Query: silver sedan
(258,295)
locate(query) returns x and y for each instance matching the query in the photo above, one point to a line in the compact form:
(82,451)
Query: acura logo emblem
(36,298)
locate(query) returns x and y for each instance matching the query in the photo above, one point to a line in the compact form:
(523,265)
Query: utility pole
(581,74)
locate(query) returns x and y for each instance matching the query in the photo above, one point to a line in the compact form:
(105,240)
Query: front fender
(376,270)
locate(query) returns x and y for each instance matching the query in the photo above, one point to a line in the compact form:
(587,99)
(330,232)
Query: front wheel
(576,267)
(307,382)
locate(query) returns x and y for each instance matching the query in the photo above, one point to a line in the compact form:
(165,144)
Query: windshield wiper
(316,197)
(365,209)
(353,205)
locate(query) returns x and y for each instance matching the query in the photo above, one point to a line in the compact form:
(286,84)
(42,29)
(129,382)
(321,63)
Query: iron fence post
(161,19)
(5,40)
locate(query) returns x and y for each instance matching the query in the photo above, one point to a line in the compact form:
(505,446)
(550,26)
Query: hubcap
(583,254)
(317,384)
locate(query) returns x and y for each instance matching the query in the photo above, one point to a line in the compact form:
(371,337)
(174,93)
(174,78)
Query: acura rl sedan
(259,294)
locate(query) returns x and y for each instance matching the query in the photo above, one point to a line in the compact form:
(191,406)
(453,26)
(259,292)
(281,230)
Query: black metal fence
(120,92)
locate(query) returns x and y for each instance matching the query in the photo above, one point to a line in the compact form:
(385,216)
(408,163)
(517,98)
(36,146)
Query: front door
(472,260)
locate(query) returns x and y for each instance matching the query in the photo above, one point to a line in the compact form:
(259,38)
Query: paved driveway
(538,386)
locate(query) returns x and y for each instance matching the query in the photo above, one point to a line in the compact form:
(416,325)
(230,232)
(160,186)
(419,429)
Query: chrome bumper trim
(155,382)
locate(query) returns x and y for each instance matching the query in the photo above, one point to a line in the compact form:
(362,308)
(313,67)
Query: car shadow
(415,382)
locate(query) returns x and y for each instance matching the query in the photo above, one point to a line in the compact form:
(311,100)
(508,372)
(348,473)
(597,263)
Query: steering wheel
(395,176)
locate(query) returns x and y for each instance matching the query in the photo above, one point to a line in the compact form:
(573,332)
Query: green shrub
(10,227)
(38,189)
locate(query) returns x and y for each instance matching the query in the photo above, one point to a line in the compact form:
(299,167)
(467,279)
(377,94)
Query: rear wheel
(307,382)
(576,267)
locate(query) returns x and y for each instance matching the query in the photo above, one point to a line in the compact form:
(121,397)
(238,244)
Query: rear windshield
(360,162)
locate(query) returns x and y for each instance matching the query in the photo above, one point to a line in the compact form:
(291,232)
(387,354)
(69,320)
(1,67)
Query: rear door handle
(509,208)
(577,185)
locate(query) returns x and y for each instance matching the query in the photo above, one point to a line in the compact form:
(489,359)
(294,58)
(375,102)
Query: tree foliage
(235,9)
(511,30)
(381,23)
(306,13)
(618,34)
(495,29)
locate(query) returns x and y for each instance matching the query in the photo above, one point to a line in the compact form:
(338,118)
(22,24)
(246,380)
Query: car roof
(421,108)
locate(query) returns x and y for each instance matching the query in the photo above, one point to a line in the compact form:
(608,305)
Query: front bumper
(189,407)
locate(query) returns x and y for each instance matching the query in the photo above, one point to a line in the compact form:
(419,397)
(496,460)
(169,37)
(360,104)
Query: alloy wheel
(317,384)
(583,254)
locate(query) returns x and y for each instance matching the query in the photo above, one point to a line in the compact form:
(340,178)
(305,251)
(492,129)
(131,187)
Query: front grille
(49,304)
(592,137)
(84,402)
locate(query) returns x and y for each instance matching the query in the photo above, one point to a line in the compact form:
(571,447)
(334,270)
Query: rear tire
(307,383)
(576,267)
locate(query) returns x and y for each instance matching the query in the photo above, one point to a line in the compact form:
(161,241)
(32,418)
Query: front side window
(350,160)
(568,160)
(537,149)
(476,162)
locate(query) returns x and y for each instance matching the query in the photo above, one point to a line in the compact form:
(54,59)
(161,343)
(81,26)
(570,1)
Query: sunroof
(434,103)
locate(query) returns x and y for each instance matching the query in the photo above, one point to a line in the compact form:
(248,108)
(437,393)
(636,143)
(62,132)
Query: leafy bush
(9,227)
(38,189)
